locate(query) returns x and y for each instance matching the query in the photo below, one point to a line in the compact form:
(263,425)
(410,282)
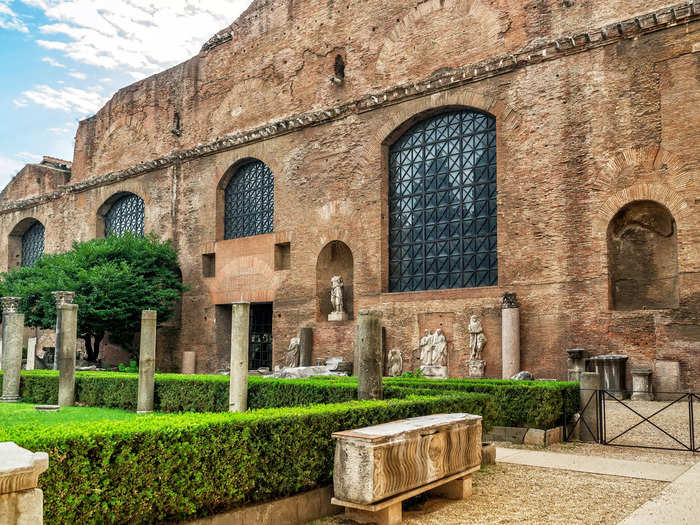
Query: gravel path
(516,494)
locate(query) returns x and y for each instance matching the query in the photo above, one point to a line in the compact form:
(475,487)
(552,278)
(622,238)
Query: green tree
(114,279)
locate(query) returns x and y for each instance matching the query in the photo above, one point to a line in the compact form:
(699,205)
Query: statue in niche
(395,363)
(426,349)
(292,357)
(439,347)
(477,339)
(337,301)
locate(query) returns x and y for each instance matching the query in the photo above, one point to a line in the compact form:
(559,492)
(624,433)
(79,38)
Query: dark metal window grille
(260,347)
(442,204)
(249,202)
(125,215)
(33,244)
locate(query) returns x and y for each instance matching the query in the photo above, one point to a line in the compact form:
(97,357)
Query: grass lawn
(22,416)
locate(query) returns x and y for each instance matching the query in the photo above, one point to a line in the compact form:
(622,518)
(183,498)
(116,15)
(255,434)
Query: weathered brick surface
(582,131)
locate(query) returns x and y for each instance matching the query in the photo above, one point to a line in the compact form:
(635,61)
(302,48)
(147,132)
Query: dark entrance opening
(260,347)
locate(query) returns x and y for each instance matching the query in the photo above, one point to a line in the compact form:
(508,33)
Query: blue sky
(61,60)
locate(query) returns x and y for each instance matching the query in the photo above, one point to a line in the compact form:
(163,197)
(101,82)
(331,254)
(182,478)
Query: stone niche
(335,259)
(643,257)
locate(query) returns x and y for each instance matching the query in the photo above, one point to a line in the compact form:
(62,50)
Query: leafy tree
(114,279)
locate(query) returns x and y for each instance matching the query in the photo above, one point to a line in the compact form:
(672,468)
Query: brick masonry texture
(596,107)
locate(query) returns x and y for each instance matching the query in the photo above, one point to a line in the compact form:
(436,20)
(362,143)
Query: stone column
(147,362)
(189,362)
(31,353)
(641,384)
(12,332)
(238,385)
(21,503)
(368,355)
(510,336)
(576,363)
(61,297)
(66,359)
(588,394)
(306,348)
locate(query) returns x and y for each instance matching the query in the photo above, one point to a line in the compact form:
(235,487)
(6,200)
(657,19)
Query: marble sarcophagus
(375,463)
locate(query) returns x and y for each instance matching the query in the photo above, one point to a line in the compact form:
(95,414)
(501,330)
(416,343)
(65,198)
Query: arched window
(643,257)
(249,201)
(33,244)
(442,204)
(126,214)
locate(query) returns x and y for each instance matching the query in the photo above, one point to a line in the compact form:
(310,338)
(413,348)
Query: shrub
(533,404)
(177,467)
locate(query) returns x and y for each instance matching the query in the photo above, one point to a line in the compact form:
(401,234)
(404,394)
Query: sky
(61,60)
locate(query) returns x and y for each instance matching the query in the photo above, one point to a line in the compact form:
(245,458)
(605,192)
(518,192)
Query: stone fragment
(523,376)
(12,332)
(31,354)
(147,362)
(66,358)
(368,349)
(21,503)
(238,384)
(641,384)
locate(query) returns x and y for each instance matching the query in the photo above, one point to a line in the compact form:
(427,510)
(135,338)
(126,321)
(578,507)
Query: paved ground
(591,464)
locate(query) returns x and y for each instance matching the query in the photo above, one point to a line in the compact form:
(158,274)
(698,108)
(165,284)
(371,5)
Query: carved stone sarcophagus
(374,463)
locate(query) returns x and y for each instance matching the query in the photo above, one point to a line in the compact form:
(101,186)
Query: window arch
(249,201)
(442,204)
(643,257)
(33,244)
(126,214)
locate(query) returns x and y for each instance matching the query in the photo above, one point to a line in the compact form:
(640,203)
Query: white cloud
(8,169)
(133,35)
(9,19)
(66,99)
(78,75)
(20,103)
(50,61)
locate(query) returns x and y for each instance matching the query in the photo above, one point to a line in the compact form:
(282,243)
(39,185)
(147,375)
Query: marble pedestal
(641,383)
(477,368)
(337,316)
(434,372)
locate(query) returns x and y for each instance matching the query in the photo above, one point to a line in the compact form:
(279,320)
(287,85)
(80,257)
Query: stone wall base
(295,510)
(525,436)
(22,508)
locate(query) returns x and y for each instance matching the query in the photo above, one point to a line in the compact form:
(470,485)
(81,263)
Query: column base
(391,515)
(9,399)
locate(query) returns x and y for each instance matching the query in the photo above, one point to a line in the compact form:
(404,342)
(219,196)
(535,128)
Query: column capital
(10,305)
(63,297)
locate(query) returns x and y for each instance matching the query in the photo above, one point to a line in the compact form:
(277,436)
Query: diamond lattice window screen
(249,202)
(126,215)
(33,244)
(442,204)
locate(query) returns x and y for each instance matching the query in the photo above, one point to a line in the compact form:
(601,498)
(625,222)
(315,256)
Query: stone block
(21,503)
(375,463)
(488,454)
(666,379)
(508,434)
(553,435)
(534,436)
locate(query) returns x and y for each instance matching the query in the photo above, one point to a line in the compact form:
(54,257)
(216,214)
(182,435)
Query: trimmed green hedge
(178,467)
(532,404)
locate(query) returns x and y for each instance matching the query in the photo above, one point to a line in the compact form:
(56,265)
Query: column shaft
(368,352)
(12,331)
(147,362)
(66,359)
(238,386)
(510,342)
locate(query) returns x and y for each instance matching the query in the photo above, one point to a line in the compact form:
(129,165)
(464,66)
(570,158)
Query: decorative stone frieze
(63,297)
(10,305)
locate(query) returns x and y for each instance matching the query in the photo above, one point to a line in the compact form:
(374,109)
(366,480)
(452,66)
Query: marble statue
(477,339)
(426,349)
(337,300)
(433,352)
(439,347)
(395,363)
(292,356)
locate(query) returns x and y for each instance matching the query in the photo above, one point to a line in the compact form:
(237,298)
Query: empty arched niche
(335,259)
(643,257)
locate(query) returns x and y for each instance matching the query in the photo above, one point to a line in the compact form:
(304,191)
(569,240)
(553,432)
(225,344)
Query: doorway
(260,342)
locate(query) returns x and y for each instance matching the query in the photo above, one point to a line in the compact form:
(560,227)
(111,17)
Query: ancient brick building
(435,153)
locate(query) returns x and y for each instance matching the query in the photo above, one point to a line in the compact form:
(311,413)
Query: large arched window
(249,201)
(442,204)
(32,244)
(126,214)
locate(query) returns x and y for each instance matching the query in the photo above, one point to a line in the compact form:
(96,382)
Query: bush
(532,404)
(178,467)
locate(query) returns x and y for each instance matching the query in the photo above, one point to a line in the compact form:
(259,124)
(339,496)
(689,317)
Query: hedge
(176,467)
(532,404)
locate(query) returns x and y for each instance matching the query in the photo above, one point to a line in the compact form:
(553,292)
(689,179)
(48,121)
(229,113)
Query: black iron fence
(607,418)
